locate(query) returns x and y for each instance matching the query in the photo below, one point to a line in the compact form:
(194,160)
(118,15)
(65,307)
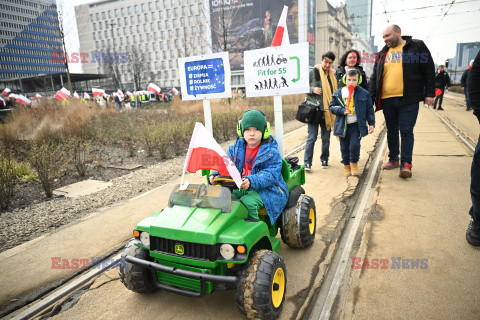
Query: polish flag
(86,95)
(154,88)
(38,96)
(120,94)
(281,34)
(75,94)
(62,94)
(205,153)
(175,91)
(128,93)
(22,99)
(98,92)
(6,91)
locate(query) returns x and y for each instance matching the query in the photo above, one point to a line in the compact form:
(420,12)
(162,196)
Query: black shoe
(308,167)
(434,107)
(325,164)
(440,108)
(473,233)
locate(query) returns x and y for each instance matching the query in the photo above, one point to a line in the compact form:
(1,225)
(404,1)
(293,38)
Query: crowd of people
(403,75)
(117,99)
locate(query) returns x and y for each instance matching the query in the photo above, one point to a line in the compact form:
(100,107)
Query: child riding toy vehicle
(203,242)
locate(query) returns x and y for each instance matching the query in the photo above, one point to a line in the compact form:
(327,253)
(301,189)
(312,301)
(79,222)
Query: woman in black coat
(350,59)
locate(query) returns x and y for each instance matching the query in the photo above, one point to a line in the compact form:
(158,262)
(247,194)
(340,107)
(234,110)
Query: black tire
(135,277)
(299,223)
(262,286)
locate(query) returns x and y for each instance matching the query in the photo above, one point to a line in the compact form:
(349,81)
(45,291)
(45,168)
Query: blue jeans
(401,118)
(466,98)
(475,184)
(350,145)
(312,137)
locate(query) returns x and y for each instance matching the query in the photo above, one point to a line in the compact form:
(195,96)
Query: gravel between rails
(25,224)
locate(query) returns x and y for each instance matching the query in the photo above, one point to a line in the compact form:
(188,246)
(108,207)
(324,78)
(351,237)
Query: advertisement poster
(241,25)
(205,77)
(276,71)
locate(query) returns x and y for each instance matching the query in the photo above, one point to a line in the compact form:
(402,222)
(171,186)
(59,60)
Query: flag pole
(277,110)
(207,114)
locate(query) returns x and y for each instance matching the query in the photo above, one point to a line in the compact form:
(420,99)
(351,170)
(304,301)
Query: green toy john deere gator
(203,242)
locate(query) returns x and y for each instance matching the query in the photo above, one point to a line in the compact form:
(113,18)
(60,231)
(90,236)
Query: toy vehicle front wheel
(299,223)
(135,277)
(262,286)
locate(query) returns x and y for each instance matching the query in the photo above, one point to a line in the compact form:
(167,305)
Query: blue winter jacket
(363,108)
(266,177)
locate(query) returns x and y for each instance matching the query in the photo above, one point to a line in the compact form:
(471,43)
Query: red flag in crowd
(281,34)
(62,94)
(22,99)
(154,88)
(98,92)
(205,153)
(6,91)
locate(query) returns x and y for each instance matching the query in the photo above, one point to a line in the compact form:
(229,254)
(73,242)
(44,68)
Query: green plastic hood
(193,224)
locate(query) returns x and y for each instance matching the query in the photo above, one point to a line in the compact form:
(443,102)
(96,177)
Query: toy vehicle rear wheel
(134,277)
(262,286)
(299,223)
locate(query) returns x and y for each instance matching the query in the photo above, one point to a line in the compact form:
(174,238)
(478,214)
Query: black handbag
(306,111)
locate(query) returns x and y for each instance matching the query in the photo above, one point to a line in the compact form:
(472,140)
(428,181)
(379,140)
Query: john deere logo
(179,249)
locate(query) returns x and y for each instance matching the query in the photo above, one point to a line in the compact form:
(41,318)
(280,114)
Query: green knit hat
(254,118)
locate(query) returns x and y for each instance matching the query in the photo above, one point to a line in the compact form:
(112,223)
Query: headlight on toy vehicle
(145,238)
(227,251)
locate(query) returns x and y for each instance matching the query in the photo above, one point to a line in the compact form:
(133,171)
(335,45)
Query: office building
(362,13)
(465,53)
(29,33)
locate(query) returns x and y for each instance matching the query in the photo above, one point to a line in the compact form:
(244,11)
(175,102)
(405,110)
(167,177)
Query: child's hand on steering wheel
(212,182)
(245,184)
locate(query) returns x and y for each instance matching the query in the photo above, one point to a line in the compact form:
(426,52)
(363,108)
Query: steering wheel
(225,181)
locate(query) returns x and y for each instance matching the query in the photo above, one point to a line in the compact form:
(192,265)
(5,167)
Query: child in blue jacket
(350,123)
(255,154)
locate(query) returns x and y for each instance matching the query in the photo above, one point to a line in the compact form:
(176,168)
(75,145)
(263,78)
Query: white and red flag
(38,96)
(205,153)
(62,94)
(86,95)
(154,88)
(120,94)
(128,93)
(174,91)
(98,92)
(75,94)
(281,34)
(6,91)
(22,99)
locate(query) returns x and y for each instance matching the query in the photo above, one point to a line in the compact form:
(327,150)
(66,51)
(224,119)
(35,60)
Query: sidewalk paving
(424,218)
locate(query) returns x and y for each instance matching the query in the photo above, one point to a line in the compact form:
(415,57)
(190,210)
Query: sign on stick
(205,77)
(277,70)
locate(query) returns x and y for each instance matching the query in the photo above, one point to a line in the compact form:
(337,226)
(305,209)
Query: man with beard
(403,75)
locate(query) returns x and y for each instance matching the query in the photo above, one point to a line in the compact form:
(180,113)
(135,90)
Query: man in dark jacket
(473,83)
(403,75)
(442,80)
(463,84)
(322,85)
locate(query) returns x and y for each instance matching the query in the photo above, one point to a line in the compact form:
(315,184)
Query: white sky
(440,32)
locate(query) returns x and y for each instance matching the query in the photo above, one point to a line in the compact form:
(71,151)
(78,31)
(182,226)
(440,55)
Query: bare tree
(62,36)
(136,63)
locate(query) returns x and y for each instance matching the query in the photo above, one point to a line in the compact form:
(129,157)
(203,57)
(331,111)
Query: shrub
(78,150)
(47,158)
(8,179)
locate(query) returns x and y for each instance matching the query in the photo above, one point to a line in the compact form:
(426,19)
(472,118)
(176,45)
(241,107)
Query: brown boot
(354,167)
(346,170)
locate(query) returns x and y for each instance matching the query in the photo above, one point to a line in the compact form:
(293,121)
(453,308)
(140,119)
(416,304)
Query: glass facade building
(29,33)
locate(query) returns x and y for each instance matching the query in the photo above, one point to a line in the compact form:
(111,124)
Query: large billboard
(241,25)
